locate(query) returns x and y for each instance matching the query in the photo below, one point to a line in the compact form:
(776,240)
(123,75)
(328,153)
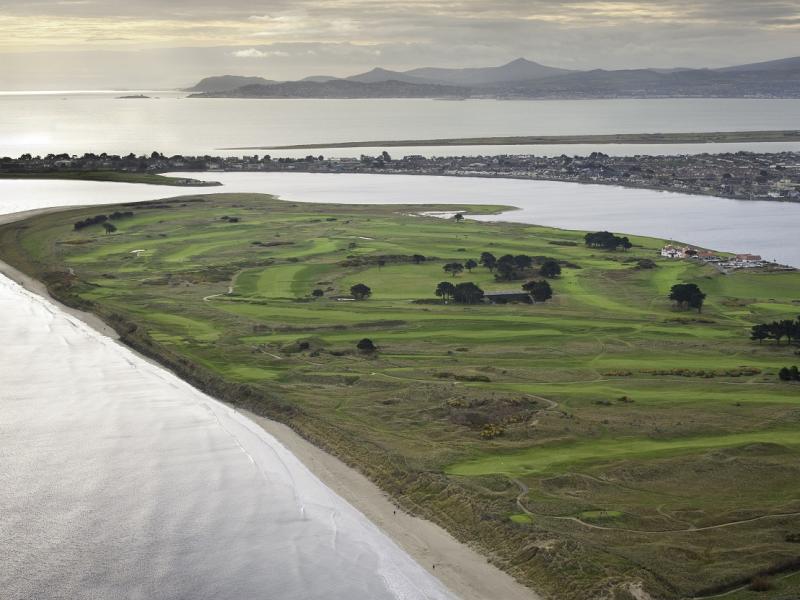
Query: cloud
(256,53)
(291,38)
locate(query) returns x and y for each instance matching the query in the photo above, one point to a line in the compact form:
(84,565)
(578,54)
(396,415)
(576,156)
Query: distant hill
(224,83)
(738,82)
(319,78)
(523,78)
(517,70)
(377,75)
(783,64)
(340,88)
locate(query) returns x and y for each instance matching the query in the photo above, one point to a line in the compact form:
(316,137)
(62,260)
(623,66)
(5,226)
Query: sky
(155,44)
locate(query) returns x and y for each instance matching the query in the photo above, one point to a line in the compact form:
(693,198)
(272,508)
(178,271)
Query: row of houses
(738,261)
(670,251)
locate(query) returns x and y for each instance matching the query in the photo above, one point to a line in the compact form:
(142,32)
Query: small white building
(670,251)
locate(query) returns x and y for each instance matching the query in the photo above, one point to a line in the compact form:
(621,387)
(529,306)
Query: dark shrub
(366,345)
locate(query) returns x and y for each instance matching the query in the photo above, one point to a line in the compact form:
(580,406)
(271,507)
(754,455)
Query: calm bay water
(174,124)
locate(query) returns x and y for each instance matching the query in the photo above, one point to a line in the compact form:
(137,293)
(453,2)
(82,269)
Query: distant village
(740,175)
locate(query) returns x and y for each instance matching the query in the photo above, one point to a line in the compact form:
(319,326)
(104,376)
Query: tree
(787,329)
(360,291)
(418,258)
(550,268)
(606,240)
(523,261)
(470,264)
(366,345)
(759,332)
(687,295)
(506,268)
(445,290)
(540,291)
(784,374)
(458,217)
(384,155)
(488,260)
(109,227)
(467,293)
(777,330)
(318,293)
(794,372)
(381,263)
(453,268)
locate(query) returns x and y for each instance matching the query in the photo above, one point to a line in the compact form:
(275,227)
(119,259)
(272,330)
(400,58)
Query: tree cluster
(789,373)
(509,267)
(89,221)
(607,241)
(777,330)
(98,219)
(687,295)
(462,293)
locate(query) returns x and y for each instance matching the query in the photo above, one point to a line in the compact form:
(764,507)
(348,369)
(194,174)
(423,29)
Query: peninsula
(576,405)
(711,137)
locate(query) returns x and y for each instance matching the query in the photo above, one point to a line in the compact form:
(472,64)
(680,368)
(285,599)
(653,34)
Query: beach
(464,571)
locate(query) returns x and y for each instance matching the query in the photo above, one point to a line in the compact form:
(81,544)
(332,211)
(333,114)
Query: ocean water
(171,123)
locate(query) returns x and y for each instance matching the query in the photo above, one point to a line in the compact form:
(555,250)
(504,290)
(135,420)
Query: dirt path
(524,489)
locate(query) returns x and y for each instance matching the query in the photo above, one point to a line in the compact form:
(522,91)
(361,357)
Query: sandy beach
(460,568)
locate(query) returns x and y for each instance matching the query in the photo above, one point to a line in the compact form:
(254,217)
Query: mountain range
(522,78)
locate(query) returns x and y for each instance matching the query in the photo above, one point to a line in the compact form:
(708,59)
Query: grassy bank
(716,137)
(637,443)
(113,176)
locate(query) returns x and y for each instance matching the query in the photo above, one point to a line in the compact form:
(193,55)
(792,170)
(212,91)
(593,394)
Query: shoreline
(711,137)
(461,569)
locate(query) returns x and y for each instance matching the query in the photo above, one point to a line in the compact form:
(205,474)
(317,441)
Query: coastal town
(740,175)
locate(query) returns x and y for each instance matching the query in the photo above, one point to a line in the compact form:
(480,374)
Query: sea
(172,123)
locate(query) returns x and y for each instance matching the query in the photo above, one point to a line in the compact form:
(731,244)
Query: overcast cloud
(135,43)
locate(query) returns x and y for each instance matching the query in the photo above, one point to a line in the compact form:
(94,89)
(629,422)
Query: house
(506,297)
(707,256)
(748,258)
(670,251)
